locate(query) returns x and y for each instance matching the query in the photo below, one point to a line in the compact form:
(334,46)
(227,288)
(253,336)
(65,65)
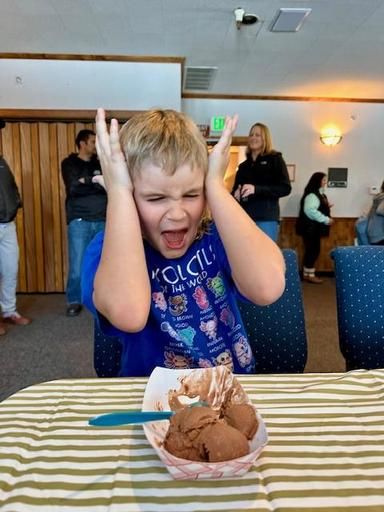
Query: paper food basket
(156,398)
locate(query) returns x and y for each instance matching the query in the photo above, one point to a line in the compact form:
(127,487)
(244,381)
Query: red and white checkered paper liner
(156,398)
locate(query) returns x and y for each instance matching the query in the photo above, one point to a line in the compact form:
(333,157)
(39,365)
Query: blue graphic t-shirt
(194,320)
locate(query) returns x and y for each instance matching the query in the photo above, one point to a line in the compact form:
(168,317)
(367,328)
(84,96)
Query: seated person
(375,224)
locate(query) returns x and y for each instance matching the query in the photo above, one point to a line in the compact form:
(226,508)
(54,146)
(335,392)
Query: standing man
(85,204)
(10,202)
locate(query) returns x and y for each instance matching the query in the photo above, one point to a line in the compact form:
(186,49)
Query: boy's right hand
(113,164)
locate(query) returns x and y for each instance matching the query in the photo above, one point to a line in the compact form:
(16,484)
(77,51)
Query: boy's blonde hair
(166,138)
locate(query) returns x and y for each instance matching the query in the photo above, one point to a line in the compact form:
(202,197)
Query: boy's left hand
(113,164)
(219,156)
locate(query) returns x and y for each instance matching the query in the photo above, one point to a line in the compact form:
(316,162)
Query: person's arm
(13,184)
(280,185)
(257,264)
(75,184)
(121,286)
(311,209)
(236,189)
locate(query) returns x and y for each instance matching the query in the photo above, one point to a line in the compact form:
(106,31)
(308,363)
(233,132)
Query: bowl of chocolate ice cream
(215,431)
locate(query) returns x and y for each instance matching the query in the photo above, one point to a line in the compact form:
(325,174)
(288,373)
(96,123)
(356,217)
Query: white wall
(295,128)
(71,84)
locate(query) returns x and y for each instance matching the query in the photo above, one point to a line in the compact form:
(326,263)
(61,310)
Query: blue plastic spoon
(113,419)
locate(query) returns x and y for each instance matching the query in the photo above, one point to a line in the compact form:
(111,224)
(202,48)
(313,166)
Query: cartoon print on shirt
(178,304)
(159,300)
(176,361)
(204,363)
(225,359)
(187,335)
(227,317)
(216,285)
(243,351)
(209,328)
(167,327)
(201,298)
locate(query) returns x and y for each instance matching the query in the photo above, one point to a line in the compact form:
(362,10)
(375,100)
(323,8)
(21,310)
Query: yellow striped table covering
(325,450)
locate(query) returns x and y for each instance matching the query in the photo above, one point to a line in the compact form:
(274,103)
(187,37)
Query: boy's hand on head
(113,164)
(219,156)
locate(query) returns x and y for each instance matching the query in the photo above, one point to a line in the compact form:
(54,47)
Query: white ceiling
(339,51)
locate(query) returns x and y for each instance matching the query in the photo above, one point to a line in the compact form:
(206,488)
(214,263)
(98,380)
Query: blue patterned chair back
(106,354)
(359,273)
(277,332)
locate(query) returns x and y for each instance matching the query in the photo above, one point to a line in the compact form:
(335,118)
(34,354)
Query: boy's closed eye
(189,195)
(193,194)
(155,198)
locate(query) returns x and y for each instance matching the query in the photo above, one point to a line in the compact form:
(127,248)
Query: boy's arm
(256,262)
(121,287)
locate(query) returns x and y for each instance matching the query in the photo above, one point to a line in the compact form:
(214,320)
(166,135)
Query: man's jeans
(9,264)
(80,233)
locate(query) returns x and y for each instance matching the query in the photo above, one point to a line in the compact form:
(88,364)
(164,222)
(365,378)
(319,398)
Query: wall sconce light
(330,137)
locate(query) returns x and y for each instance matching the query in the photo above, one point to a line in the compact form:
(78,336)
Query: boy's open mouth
(174,239)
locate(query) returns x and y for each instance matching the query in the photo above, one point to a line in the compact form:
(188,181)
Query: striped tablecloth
(326,450)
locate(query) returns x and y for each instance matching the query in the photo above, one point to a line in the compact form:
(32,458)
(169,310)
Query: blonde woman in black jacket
(261,180)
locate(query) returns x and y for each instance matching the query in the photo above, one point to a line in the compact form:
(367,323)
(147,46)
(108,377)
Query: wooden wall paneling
(64,148)
(47,210)
(37,202)
(56,207)
(342,233)
(28,205)
(15,164)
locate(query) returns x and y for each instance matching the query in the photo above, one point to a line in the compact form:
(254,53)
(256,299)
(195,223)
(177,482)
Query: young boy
(161,278)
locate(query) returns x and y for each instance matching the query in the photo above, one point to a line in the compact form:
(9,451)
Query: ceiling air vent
(199,78)
(289,19)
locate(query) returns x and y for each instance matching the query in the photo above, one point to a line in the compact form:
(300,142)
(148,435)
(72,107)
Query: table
(325,453)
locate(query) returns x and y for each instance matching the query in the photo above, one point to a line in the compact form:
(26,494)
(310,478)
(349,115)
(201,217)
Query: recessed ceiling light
(249,19)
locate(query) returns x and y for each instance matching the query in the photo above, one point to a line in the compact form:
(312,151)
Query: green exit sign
(217,123)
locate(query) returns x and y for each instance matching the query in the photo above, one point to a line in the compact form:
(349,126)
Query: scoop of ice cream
(220,442)
(243,418)
(191,420)
(181,446)
(184,428)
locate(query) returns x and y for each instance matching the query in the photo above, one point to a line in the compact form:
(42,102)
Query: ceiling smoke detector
(242,18)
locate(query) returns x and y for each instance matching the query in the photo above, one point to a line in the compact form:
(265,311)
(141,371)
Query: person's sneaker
(313,279)
(74,309)
(16,319)
(3,329)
